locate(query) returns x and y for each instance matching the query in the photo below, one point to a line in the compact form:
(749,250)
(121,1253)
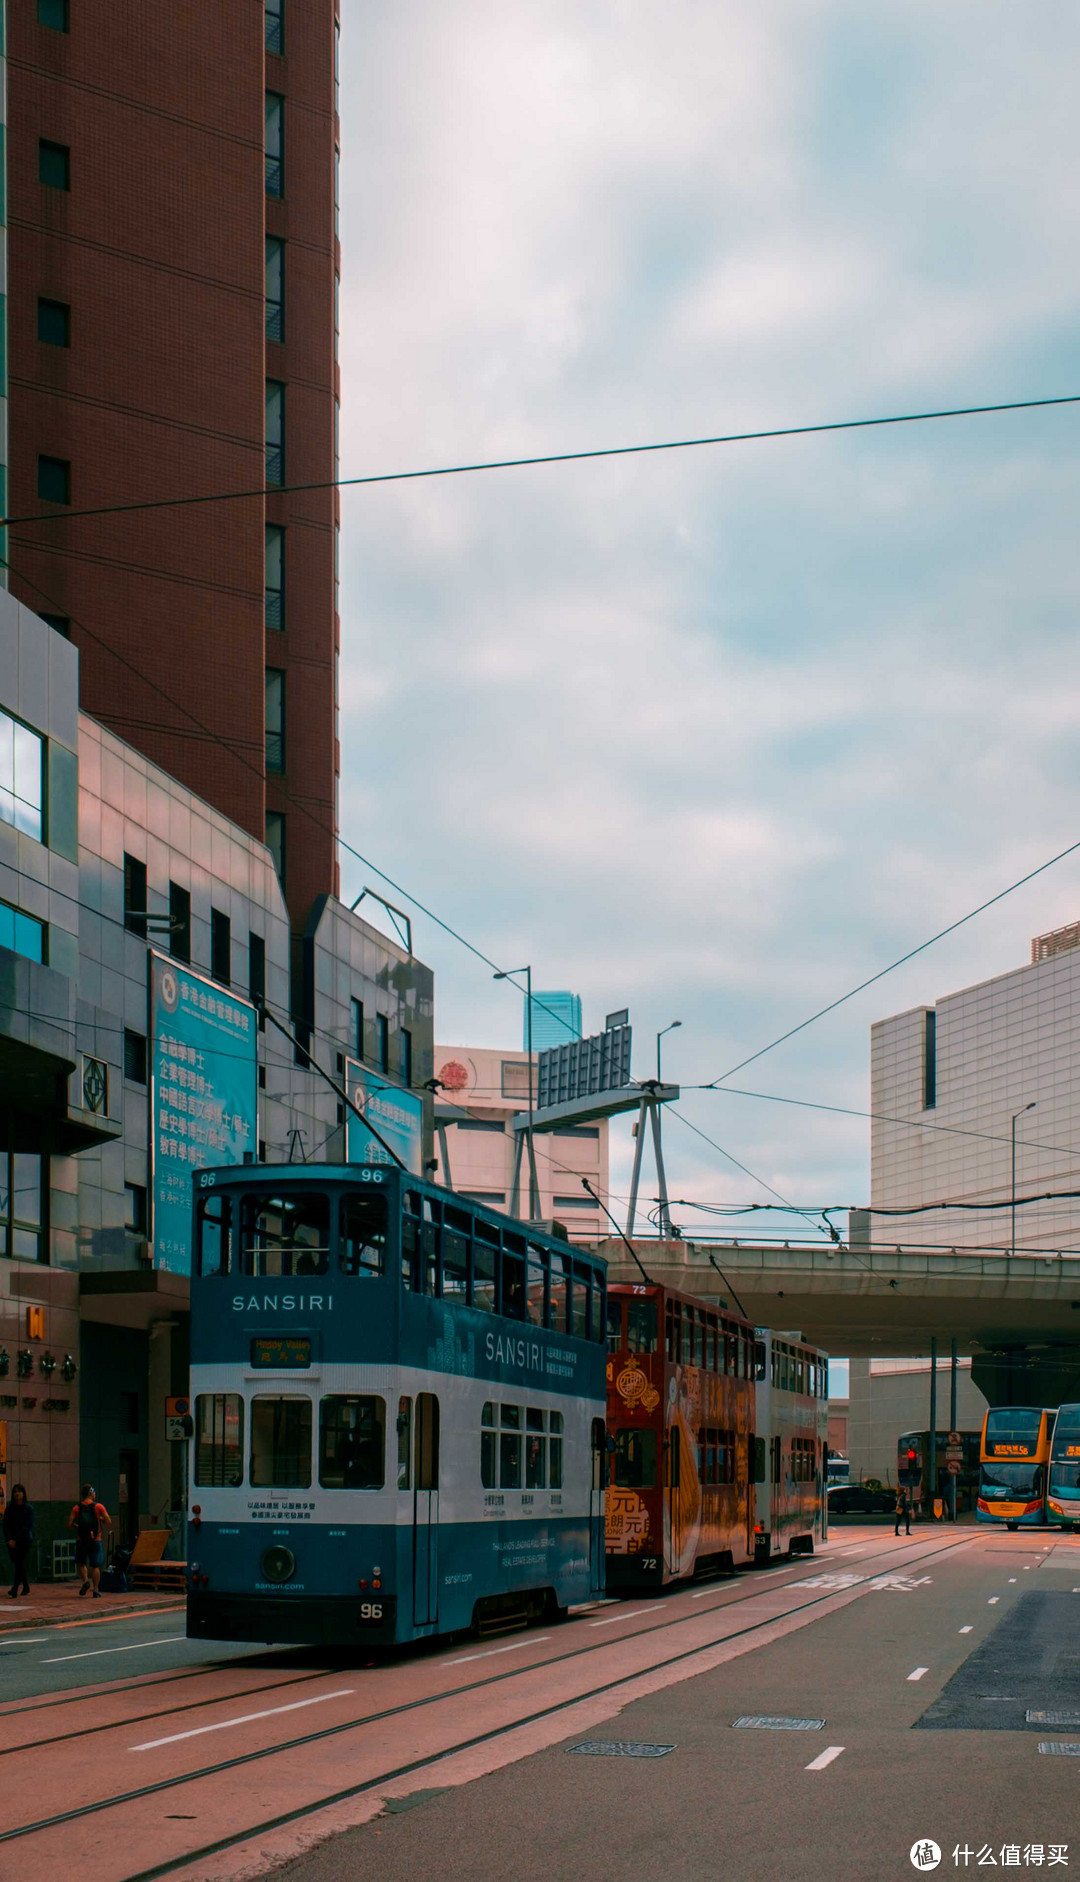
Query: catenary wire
(883,1117)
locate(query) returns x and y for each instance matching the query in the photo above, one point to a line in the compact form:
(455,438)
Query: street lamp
(534,1195)
(1016,1114)
(659,1036)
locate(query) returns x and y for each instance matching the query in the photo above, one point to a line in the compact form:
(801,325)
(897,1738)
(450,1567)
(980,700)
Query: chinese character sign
(204,1094)
(397,1115)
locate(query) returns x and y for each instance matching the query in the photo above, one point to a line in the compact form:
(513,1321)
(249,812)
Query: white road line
(33,1640)
(514,1647)
(245,1719)
(621,1617)
(993,1601)
(918,1673)
(965,1630)
(1012,1577)
(823,1758)
(167,1640)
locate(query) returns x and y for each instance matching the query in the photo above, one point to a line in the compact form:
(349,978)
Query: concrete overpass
(1017,1315)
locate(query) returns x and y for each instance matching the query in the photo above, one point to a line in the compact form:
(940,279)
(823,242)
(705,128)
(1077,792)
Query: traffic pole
(931,1461)
(952,1424)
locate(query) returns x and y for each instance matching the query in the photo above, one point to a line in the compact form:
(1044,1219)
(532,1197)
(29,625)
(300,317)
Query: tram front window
(280,1443)
(287,1235)
(641,1329)
(634,1462)
(352,1443)
(363,1234)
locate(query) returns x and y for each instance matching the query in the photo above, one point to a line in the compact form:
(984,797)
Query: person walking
(19,1534)
(89,1519)
(903,1511)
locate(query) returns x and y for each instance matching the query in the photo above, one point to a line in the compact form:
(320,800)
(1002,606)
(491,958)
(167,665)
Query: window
(579,1130)
(512,1303)
(54,479)
(275,26)
(455,1255)
(510,1447)
(488,1442)
(404,1442)
(614,1325)
(357,1028)
(275,288)
(54,165)
(930,1062)
(22,766)
(21,1214)
(286,1235)
(257,969)
(179,922)
(220,947)
(579,1305)
(135,896)
(515,1079)
(53,323)
(535,1450)
(536,1285)
(362,1225)
(494,1198)
(275,842)
(485,1256)
(555,1444)
(22,934)
(382,1041)
(136,1218)
(275,432)
(275,576)
(219,1439)
(134,1056)
(275,144)
(352,1443)
(641,1333)
(53,13)
(275,719)
(406,1055)
(583,1201)
(559,1301)
(634,1459)
(480,1124)
(215,1234)
(280,1443)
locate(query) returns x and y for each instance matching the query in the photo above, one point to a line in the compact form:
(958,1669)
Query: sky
(713,734)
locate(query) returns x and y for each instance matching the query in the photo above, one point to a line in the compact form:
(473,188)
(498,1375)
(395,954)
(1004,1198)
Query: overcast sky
(716,733)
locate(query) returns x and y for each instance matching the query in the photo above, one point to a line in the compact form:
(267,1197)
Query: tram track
(326,1801)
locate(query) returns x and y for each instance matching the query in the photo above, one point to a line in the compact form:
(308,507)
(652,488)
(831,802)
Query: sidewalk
(50,1603)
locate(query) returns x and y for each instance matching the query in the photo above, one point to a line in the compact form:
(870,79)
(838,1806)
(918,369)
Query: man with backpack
(89,1519)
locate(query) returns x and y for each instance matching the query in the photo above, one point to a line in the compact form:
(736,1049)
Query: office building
(556,1020)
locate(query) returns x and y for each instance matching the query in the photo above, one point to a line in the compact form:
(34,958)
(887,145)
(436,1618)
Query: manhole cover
(1061,1751)
(1053,1718)
(618,1748)
(766,1724)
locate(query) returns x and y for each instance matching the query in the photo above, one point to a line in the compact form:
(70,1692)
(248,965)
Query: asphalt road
(60,1658)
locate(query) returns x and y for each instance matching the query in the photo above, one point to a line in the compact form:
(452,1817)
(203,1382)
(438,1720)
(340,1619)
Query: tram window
(559,1301)
(757,1460)
(287,1235)
(404,1442)
(710,1342)
(410,1243)
(535,1451)
(536,1285)
(685,1333)
(555,1443)
(427,1441)
(615,1325)
(219,1438)
(352,1442)
(215,1234)
(362,1234)
(597,1305)
(429,1247)
(759,1369)
(640,1325)
(699,1339)
(280,1443)
(579,1303)
(484,1260)
(510,1447)
(455,1255)
(777,1459)
(488,1447)
(599,1452)
(634,1461)
(725,1456)
(513,1283)
(672,1330)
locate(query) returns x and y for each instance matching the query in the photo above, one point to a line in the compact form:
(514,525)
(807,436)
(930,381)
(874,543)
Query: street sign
(953,1469)
(178,1425)
(955,1438)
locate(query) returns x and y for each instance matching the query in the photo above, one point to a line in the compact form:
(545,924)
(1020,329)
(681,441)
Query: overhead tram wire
(882,1117)
(754,1178)
(550,457)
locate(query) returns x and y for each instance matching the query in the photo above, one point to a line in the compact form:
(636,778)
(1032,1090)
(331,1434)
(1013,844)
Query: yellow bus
(1063,1497)
(1013,1465)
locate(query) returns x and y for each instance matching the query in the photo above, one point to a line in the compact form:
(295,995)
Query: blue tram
(398,1403)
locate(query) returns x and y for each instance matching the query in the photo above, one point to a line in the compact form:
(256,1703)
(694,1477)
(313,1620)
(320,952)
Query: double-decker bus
(792,1423)
(1063,1495)
(1013,1465)
(398,1404)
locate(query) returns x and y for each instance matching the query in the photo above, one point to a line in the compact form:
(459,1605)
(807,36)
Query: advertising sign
(203,1094)
(397,1115)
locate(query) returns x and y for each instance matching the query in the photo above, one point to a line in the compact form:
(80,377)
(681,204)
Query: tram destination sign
(280,1352)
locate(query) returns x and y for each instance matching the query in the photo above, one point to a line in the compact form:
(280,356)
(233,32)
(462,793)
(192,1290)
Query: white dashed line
(824,1758)
(244,1719)
(631,1615)
(168,1640)
(993,1601)
(515,1646)
(1012,1577)
(965,1630)
(918,1673)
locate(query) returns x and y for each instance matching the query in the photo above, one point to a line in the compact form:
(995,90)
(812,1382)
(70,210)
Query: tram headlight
(278,1563)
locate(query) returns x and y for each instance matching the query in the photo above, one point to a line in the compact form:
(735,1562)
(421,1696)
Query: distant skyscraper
(556,1020)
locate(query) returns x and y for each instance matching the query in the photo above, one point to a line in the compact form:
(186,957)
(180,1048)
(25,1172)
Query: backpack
(87,1527)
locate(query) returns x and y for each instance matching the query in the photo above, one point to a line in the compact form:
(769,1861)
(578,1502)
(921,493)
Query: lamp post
(659,1036)
(534,1188)
(1016,1114)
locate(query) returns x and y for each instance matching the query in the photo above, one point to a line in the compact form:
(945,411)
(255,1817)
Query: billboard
(397,1115)
(584,1068)
(204,1086)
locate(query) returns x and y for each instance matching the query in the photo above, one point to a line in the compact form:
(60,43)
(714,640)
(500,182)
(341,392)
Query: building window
(257,970)
(220,947)
(179,922)
(22,755)
(54,165)
(275,288)
(406,1056)
(134,1056)
(275,842)
(275,719)
(53,323)
(53,13)
(21,1213)
(135,896)
(54,479)
(275,144)
(60,623)
(515,1078)
(275,26)
(930,1062)
(275,575)
(136,1218)
(358,1028)
(480,1124)
(21,934)
(382,1042)
(275,432)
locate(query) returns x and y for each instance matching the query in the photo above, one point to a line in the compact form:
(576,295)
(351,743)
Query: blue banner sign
(203,1094)
(397,1115)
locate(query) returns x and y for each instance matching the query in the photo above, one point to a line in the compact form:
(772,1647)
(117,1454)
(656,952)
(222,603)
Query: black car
(859,1499)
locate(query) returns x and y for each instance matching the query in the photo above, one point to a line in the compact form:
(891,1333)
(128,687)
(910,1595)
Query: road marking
(634,1612)
(223,1725)
(168,1640)
(965,1630)
(918,1673)
(993,1601)
(1012,1577)
(514,1647)
(823,1758)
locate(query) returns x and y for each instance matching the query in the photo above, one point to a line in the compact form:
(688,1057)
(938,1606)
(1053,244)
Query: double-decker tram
(398,1404)
(1013,1466)
(1063,1494)
(792,1412)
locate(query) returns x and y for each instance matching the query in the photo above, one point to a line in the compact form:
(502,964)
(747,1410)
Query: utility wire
(711,1141)
(883,1117)
(554,457)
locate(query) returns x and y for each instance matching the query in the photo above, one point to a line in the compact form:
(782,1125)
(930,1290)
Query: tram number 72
(650,1562)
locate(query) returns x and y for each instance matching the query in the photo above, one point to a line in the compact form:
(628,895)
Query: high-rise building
(556,1020)
(173,267)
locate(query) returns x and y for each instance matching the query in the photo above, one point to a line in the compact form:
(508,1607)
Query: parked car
(860,1499)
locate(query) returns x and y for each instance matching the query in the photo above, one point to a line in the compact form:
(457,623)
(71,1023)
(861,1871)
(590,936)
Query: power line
(711,1141)
(883,1117)
(552,457)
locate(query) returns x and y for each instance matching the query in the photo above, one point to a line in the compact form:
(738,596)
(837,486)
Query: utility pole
(931,1462)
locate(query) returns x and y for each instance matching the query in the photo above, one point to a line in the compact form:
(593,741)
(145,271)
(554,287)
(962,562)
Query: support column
(931,1461)
(636,1177)
(952,1424)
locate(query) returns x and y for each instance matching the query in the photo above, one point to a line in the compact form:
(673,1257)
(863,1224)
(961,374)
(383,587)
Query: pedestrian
(903,1511)
(19,1534)
(89,1519)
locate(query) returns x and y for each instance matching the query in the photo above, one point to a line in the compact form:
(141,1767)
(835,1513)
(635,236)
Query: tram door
(776,1466)
(675,1504)
(426,1511)
(596,1507)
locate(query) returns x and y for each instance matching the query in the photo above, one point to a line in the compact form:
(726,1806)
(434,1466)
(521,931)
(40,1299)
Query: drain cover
(618,1748)
(1061,1751)
(766,1724)
(1053,1718)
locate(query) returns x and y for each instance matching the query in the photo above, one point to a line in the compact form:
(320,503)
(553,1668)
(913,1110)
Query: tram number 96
(371,1176)
(371,1611)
